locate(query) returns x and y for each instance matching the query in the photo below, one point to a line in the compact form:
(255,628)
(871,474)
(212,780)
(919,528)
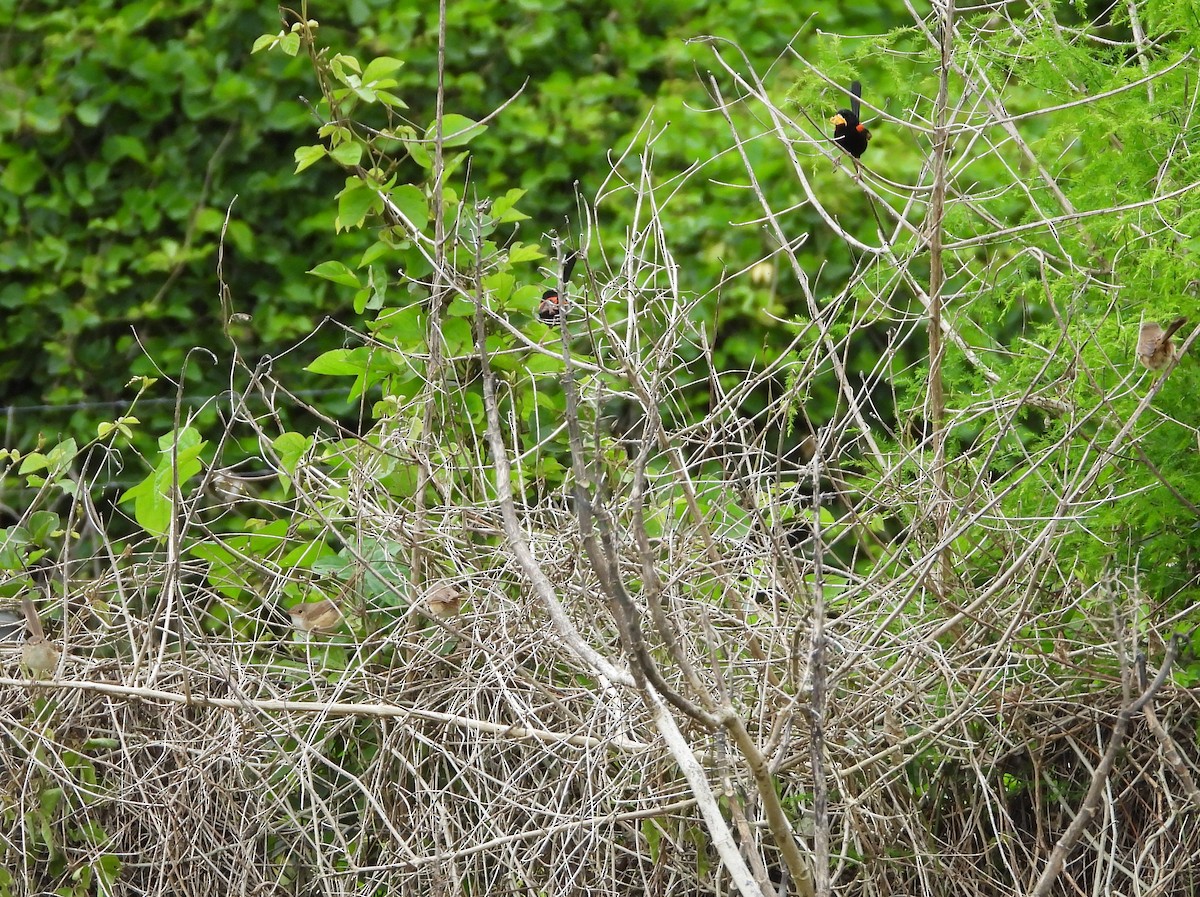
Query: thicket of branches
(934,639)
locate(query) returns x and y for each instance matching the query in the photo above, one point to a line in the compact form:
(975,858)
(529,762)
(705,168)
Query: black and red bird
(848,130)
(550,309)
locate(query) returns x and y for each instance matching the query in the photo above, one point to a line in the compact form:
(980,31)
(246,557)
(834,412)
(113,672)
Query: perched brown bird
(316,616)
(848,130)
(39,655)
(1154,348)
(443,600)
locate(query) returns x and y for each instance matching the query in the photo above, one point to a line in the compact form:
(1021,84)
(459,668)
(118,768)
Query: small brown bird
(1154,347)
(316,616)
(443,600)
(40,656)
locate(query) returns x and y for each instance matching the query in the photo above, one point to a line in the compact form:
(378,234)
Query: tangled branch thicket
(874,663)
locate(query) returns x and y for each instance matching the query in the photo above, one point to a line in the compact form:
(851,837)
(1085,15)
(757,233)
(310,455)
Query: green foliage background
(129,128)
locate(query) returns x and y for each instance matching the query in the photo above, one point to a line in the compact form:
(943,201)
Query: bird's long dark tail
(569,265)
(855,94)
(1172,327)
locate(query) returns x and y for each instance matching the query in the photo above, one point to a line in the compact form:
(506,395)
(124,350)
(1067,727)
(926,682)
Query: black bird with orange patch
(551,307)
(848,130)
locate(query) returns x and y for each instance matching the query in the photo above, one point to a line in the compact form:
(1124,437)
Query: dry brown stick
(650,577)
(937,278)
(732,793)
(439,299)
(819,684)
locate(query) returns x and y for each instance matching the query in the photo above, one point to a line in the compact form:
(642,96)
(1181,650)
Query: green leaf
(377,250)
(502,208)
(526,298)
(152,497)
(347,154)
(340,362)
(90,114)
(460,307)
(524,252)
(343,63)
(42,526)
(269,539)
(500,285)
(380,67)
(226,573)
(337,273)
(404,326)
(377,285)
(390,99)
(290,454)
(308,155)
(124,146)
(355,202)
(303,556)
(13,542)
(419,154)
(457,334)
(411,202)
(31,462)
(264,41)
(537,363)
(653,835)
(291,447)
(21,175)
(63,454)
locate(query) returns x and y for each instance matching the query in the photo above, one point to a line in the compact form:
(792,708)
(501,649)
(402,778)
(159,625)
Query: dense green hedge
(134,128)
(129,128)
